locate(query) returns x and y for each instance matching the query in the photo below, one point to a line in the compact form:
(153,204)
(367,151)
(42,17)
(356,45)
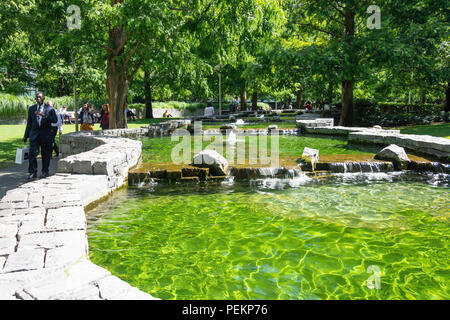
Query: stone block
(65,218)
(25,260)
(82,167)
(58,284)
(51,240)
(65,165)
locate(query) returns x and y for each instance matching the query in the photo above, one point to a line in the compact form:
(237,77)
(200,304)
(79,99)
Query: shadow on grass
(435,129)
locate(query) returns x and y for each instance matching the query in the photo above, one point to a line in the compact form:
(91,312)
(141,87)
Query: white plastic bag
(22,155)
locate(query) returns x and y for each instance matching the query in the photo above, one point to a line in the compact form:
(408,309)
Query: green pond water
(276,239)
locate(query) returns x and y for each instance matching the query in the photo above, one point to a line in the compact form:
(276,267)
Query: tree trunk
(447,98)
(330,93)
(116,79)
(62,89)
(148,98)
(347,84)
(255,101)
(299,102)
(423,96)
(347,104)
(243,99)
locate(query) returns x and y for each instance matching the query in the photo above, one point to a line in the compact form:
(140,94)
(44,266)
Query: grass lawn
(434,129)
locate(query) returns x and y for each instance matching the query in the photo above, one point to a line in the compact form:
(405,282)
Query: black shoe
(32,176)
(44,175)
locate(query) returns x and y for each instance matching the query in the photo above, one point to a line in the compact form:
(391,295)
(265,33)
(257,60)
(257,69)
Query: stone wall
(43,240)
(344,131)
(423,144)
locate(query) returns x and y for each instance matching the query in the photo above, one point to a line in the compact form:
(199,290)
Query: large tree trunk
(148,98)
(299,102)
(116,79)
(255,101)
(243,99)
(347,84)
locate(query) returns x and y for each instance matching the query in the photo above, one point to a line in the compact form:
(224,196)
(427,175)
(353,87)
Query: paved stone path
(43,241)
(16,175)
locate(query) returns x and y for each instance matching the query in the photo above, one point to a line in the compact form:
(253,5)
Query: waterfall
(362,167)
(232,138)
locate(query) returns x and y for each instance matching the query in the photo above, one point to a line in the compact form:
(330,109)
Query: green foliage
(369,113)
(14,106)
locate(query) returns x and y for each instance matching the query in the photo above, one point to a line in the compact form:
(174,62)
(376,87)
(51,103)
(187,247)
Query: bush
(12,106)
(368,113)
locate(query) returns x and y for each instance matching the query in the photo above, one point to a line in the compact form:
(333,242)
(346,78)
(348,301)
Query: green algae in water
(159,149)
(317,241)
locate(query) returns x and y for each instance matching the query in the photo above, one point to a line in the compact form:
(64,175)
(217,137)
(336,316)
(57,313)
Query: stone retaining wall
(428,145)
(345,131)
(43,240)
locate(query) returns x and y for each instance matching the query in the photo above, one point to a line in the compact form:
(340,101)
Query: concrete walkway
(16,175)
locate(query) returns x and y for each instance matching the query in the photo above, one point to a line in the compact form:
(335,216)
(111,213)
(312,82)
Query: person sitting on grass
(130,114)
(209,110)
(308,105)
(166,114)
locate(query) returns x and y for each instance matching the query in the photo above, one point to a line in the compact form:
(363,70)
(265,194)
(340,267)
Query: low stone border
(345,131)
(423,144)
(43,240)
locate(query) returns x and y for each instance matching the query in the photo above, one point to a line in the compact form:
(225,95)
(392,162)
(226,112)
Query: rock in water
(395,154)
(218,165)
(312,155)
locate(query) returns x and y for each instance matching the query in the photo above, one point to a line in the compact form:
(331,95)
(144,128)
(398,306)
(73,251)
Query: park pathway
(16,175)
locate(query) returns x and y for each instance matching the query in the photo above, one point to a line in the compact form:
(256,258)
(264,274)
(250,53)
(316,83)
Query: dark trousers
(46,151)
(54,145)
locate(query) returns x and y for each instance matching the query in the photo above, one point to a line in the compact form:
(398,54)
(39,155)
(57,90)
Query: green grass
(435,129)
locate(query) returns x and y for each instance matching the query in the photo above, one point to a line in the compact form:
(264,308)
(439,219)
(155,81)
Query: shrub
(368,113)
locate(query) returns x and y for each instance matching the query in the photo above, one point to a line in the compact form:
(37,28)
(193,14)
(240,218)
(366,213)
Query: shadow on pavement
(16,175)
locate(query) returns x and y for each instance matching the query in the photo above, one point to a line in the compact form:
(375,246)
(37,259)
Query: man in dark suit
(39,130)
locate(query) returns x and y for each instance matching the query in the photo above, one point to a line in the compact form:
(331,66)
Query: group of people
(44,122)
(88,116)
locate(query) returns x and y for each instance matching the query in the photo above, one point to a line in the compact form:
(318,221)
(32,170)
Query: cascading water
(361,167)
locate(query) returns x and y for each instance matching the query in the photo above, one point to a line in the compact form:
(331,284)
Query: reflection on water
(298,238)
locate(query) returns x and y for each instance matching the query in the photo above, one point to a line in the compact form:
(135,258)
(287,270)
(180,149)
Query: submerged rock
(395,154)
(218,165)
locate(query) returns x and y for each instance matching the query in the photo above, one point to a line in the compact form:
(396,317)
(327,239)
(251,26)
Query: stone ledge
(43,240)
(428,145)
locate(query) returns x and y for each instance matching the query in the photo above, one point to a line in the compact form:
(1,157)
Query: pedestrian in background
(86,120)
(104,116)
(56,127)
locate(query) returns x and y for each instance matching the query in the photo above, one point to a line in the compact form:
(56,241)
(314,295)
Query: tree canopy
(327,51)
